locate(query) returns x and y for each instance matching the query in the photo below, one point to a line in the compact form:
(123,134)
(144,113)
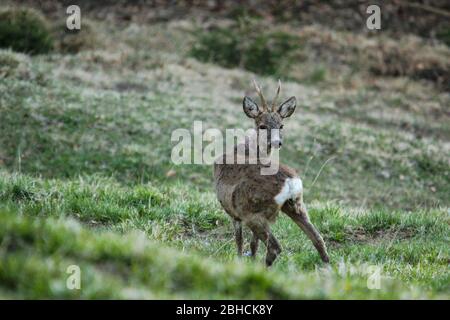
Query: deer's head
(269,118)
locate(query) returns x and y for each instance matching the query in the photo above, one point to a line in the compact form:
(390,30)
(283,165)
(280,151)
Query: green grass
(129,266)
(85,151)
(197,258)
(101,131)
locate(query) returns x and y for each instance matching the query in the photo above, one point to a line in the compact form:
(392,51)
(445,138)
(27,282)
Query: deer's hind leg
(261,231)
(238,236)
(296,210)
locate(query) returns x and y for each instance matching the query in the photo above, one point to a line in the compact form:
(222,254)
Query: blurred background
(86,118)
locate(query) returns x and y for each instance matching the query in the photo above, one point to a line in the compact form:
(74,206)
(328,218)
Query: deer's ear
(251,109)
(287,108)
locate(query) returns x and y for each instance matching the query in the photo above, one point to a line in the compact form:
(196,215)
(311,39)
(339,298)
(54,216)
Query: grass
(103,131)
(85,161)
(40,233)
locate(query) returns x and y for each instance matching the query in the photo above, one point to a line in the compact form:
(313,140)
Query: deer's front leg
(238,236)
(297,212)
(262,231)
(254,243)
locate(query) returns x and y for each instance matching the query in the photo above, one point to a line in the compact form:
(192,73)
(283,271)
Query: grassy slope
(382,198)
(409,247)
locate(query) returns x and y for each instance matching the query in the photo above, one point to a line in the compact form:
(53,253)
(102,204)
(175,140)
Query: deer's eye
(281,127)
(262,127)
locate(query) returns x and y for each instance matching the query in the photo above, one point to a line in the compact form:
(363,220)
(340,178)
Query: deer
(255,200)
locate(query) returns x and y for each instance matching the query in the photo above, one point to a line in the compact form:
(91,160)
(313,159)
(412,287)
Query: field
(86,176)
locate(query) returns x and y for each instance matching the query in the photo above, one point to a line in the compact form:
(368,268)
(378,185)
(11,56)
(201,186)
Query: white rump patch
(291,189)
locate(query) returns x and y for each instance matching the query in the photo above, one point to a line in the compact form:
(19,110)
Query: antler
(261,96)
(274,103)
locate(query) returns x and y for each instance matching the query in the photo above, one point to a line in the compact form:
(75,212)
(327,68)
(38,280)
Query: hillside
(86,176)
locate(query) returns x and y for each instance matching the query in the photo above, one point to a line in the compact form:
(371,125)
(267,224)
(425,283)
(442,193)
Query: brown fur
(248,196)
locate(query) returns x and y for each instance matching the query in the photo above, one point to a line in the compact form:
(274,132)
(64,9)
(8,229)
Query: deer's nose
(276,139)
(277,143)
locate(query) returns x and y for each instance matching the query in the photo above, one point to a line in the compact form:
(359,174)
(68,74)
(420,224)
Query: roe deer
(255,199)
